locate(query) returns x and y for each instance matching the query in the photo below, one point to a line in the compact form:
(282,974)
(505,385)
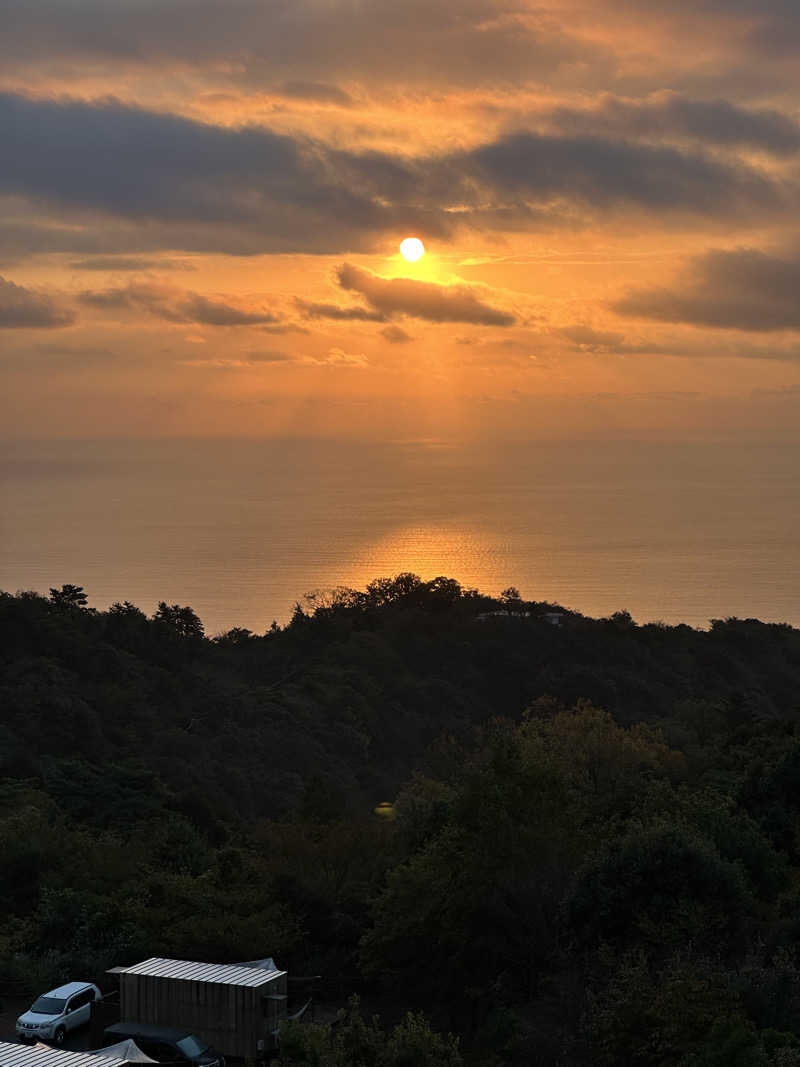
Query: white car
(52,1016)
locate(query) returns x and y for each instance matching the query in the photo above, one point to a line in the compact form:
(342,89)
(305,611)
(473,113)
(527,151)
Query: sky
(202,201)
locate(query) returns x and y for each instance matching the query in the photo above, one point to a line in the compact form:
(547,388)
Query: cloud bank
(249,189)
(669,115)
(175,305)
(745,289)
(22,308)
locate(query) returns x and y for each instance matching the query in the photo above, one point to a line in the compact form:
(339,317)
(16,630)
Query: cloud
(25,309)
(334,311)
(669,115)
(175,305)
(128,263)
(422,300)
(319,92)
(269,356)
(207,187)
(127,180)
(396,335)
(284,327)
(744,289)
(602,173)
(196,308)
(587,339)
(248,359)
(303,41)
(683,345)
(777,38)
(337,357)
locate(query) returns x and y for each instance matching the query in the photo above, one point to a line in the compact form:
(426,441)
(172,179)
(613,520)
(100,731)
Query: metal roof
(223,973)
(39,1055)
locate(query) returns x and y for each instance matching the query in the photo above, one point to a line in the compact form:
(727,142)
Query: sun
(412,249)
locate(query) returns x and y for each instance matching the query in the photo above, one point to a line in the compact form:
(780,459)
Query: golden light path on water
(429,550)
(242,530)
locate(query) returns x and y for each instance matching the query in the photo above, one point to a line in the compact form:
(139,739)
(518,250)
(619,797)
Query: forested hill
(596,845)
(347,697)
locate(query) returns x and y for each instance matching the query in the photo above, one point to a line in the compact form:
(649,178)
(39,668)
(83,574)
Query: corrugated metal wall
(231,1018)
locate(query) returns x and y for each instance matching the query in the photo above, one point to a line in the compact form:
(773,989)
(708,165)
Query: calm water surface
(242,529)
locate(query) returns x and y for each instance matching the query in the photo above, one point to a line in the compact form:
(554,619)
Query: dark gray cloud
(729,10)
(604,173)
(424,42)
(110,168)
(422,300)
(735,8)
(745,289)
(670,115)
(175,305)
(777,38)
(33,229)
(239,190)
(24,308)
(142,165)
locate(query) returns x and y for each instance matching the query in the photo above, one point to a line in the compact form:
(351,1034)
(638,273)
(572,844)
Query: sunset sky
(202,201)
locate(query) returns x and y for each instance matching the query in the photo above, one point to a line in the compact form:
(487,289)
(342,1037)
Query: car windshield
(191,1045)
(48,1006)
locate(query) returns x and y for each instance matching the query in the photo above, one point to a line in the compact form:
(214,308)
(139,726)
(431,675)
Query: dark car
(167,1044)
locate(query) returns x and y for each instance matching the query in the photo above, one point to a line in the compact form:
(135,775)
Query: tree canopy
(592,857)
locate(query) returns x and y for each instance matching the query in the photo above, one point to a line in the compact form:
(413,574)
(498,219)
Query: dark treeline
(594,856)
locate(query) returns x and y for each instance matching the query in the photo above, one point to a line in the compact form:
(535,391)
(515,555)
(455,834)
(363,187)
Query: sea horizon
(242,528)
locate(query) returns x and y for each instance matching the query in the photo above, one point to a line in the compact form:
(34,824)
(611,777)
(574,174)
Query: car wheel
(59,1035)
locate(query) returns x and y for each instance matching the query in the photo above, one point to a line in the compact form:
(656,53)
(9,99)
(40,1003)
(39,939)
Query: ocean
(242,529)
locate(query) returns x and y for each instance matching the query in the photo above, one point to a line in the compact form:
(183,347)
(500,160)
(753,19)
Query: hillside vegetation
(591,854)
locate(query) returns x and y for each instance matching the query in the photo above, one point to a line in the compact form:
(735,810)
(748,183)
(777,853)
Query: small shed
(41,1055)
(234,1008)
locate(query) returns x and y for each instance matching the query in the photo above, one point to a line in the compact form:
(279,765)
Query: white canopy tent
(127,1051)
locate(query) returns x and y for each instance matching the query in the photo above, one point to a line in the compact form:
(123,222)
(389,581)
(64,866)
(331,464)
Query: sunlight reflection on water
(243,529)
(430,551)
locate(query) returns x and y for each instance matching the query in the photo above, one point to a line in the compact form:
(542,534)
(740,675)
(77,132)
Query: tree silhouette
(69,596)
(182,620)
(511,600)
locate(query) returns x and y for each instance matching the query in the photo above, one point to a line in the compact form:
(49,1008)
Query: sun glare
(412,249)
